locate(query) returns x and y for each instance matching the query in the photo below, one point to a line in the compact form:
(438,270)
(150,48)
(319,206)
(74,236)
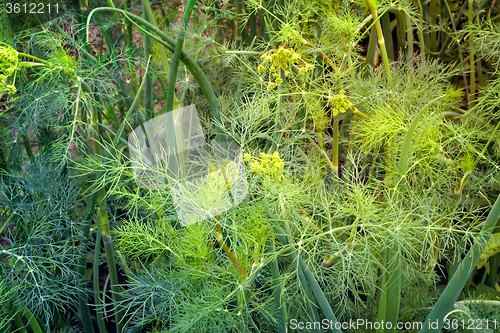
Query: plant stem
(433,12)
(218,235)
(27,146)
(279,307)
(319,295)
(472,90)
(420,33)
(386,27)
(492,276)
(82,268)
(372,47)
(148,50)
(381,41)
(129,41)
(32,321)
(237,27)
(405,151)
(390,293)
(29,56)
(152,20)
(113,272)
(19,323)
(84,309)
(97,292)
(335,146)
(409,38)
(401,28)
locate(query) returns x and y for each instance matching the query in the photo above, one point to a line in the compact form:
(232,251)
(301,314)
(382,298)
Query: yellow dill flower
(341,103)
(281,60)
(247,157)
(267,166)
(8,66)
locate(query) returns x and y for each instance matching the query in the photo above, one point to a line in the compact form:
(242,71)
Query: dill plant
(38,270)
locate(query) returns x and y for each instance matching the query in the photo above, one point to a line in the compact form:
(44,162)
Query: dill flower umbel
(266,166)
(340,103)
(8,66)
(280,60)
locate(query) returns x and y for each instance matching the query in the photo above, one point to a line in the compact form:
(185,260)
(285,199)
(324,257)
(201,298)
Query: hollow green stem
(32,321)
(391,281)
(319,295)
(279,307)
(472,86)
(284,240)
(148,50)
(492,276)
(372,47)
(386,28)
(401,29)
(174,68)
(420,32)
(381,40)
(409,39)
(237,23)
(161,48)
(405,151)
(433,12)
(28,148)
(82,295)
(390,293)
(113,272)
(335,146)
(84,309)
(19,323)
(95,275)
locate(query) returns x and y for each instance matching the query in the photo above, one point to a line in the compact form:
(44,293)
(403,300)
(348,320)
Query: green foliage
(359,168)
(38,269)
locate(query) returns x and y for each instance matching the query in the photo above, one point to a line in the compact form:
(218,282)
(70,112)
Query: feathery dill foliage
(348,222)
(38,270)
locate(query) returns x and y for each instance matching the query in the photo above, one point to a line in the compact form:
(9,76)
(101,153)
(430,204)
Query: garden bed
(250,166)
